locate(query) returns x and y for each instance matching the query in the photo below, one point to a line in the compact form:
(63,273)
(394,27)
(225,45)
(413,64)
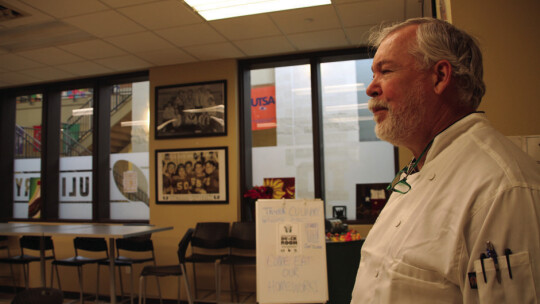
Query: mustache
(375,103)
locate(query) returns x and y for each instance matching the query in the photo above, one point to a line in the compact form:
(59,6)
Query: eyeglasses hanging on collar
(401,185)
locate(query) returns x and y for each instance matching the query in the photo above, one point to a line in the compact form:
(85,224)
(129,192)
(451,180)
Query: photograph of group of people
(191,175)
(190,110)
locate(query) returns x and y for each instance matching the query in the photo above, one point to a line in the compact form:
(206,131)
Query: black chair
(96,247)
(33,244)
(209,245)
(39,296)
(4,247)
(169,270)
(242,253)
(140,249)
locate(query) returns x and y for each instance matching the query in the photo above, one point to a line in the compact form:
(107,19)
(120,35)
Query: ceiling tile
(350,1)
(67,8)
(247,27)
(319,40)
(15,78)
(214,51)
(50,56)
(166,57)
(105,24)
(139,42)
(265,46)
(85,68)
(373,12)
(163,14)
(48,73)
(14,62)
(93,49)
(358,36)
(307,20)
(124,63)
(122,3)
(195,34)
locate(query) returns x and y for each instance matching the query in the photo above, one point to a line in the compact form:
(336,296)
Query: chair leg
(186,283)
(120,281)
(79,271)
(231,287)
(13,278)
(158,285)
(178,291)
(142,289)
(26,271)
(195,282)
(131,284)
(217,272)
(235,283)
(97,284)
(53,269)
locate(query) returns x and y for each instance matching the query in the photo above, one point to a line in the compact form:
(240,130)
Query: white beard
(397,127)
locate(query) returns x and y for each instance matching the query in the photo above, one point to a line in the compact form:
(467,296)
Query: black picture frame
(191,186)
(370,200)
(191,110)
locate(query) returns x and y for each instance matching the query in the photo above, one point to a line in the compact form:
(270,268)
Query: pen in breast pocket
(491,253)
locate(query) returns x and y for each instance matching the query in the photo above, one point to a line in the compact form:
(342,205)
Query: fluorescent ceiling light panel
(221,9)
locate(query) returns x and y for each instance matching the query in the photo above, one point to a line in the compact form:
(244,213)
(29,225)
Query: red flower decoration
(258,192)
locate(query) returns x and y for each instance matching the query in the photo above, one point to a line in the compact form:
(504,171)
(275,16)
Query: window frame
(50,154)
(314,59)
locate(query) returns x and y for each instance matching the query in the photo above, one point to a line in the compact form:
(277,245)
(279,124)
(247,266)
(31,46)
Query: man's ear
(442,75)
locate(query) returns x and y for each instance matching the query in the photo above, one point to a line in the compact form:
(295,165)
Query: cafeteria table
(84,230)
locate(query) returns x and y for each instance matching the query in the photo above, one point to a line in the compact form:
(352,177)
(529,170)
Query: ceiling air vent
(7,13)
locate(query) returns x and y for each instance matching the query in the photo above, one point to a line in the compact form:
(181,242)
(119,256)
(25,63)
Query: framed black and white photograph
(192,176)
(191,110)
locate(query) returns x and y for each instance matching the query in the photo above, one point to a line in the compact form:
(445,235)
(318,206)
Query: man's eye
(385,72)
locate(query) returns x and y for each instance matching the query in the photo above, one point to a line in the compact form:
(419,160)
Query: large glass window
(355,160)
(88,159)
(282,129)
(76,139)
(129,180)
(308,121)
(27,165)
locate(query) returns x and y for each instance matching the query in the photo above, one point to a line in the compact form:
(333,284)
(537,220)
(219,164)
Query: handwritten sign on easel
(291,252)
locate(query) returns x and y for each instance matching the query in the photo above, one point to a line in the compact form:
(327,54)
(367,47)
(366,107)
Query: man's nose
(373,89)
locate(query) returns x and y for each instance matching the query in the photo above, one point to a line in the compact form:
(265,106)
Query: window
(282,134)
(353,156)
(27,163)
(76,139)
(68,133)
(129,167)
(305,117)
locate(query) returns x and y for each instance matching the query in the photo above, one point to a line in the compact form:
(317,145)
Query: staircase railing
(27,146)
(119,97)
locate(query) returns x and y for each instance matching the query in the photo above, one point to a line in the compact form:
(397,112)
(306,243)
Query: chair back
(211,235)
(90,244)
(134,244)
(33,242)
(183,245)
(243,235)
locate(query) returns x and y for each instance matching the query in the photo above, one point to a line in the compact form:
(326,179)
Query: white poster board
(291,251)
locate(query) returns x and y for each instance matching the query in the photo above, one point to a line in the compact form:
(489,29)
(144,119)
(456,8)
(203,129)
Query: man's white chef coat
(475,186)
